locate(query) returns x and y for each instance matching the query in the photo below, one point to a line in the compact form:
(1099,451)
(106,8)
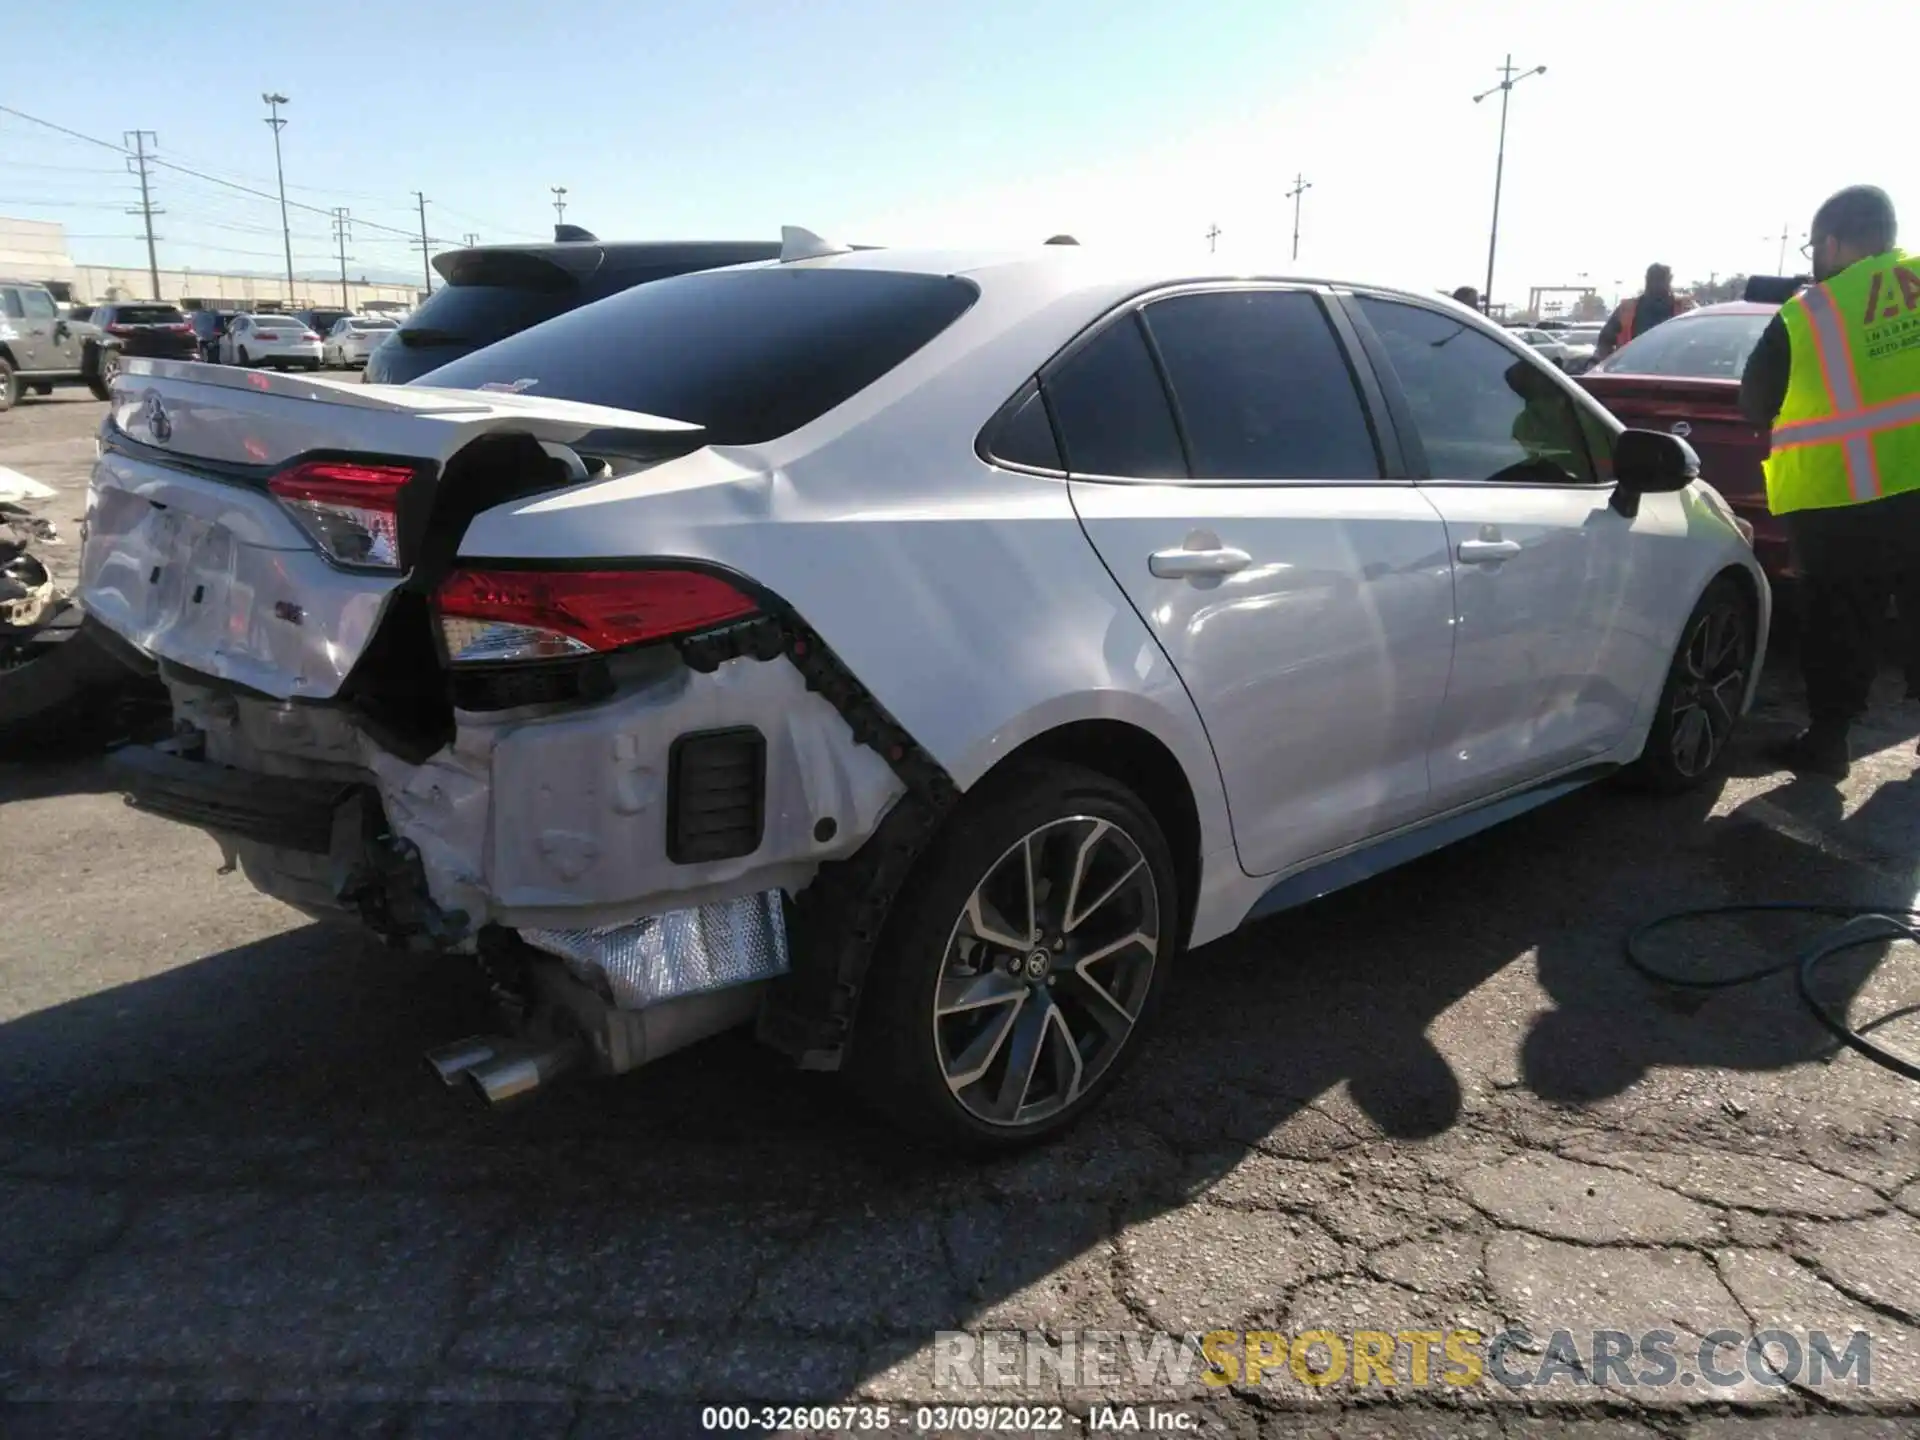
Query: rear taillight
(349,509)
(120,329)
(309,335)
(266,334)
(183,328)
(508,615)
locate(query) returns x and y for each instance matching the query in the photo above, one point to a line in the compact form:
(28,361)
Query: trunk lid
(1704,412)
(188,556)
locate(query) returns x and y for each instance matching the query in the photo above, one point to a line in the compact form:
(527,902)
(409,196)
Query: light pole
(1508,79)
(1300,187)
(274,101)
(559,204)
(1213,238)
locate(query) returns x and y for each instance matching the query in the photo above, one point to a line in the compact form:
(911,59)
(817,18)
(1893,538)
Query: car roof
(1081,266)
(584,257)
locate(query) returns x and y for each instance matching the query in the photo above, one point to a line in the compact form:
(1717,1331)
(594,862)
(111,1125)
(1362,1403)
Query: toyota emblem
(159,423)
(1682,429)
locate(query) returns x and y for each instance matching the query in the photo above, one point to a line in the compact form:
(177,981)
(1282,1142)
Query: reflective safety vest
(1849,430)
(1631,307)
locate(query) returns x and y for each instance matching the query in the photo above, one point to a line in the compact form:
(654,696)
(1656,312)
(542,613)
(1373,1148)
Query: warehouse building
(36,250)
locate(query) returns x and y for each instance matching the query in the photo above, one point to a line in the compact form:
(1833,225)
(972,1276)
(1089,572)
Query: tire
(9,384)
(1098,989)
(100,377)
(1700,702)
(64,691)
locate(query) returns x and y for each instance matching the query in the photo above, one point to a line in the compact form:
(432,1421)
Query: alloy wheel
(1713,677)
(1046,971)
(109,364)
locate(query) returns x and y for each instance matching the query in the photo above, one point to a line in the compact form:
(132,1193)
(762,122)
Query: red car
(1684,376)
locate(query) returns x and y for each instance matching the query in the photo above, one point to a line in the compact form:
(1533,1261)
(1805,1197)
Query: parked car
(124,330)
(1684,377)
(276,341)
(208,327)
(352,338)
(1549,345)
(498,290)
(914,653)
(321,322)
(39,347)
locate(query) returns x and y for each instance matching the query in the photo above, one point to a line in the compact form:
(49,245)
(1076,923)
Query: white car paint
(352,339)
(1359,678)
(277,341)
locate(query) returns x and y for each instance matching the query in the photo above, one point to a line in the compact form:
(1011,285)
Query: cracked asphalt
(231,1200)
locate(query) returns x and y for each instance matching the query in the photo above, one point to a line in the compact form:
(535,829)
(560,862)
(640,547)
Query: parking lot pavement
(1434,1102)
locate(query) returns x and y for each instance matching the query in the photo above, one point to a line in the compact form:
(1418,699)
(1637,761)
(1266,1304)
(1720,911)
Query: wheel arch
(1141,761)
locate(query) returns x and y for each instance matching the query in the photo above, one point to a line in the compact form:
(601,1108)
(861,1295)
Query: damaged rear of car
(620,770)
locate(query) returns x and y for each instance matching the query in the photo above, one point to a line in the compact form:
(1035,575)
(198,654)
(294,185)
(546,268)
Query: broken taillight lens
(518,615)
(349,509)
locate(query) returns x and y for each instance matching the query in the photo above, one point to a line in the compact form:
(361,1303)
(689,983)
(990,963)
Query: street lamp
(274,101)
(559,204)
(1508,79)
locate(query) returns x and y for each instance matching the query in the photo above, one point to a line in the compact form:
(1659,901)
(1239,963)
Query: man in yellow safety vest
(1837,377)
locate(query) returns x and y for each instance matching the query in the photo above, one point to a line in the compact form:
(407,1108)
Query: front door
(1556,595)
(26,341)
(1302,597)
(57,346)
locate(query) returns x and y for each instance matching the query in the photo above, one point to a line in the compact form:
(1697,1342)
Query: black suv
(129,329)
(493,291)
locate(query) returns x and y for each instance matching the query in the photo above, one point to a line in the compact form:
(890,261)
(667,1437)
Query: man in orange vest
(1640,313)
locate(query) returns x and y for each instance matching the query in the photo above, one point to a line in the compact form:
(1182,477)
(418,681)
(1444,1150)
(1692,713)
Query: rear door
(1558,599)
(1243,506)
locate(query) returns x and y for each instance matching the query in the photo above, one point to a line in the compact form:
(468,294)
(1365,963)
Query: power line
(321,211)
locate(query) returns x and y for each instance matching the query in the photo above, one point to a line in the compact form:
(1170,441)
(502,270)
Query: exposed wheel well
(1744,581)
(1134,758)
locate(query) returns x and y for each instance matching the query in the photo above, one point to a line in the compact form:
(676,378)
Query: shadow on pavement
(240,1163)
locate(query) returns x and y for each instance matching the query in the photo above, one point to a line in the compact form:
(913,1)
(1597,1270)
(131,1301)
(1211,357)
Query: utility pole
(342,219)
(137,165)
(274,100)
(559,204)
(1786,234)
(1213,237)
(425,267)
(1508,79)
(470,239)
(1300,187)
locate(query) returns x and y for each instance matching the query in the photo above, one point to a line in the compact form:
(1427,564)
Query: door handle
(1487,552)
(1196,564)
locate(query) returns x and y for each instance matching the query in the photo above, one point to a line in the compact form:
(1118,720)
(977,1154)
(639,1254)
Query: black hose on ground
(1862,925)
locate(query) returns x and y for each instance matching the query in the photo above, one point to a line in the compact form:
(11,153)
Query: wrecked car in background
(843,644)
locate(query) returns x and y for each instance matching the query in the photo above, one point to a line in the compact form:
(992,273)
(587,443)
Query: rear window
(147,315)
(747,354)
(481,314)
(1704,347)
(373,324)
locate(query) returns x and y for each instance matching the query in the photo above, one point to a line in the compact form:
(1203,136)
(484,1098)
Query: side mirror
(1650,462)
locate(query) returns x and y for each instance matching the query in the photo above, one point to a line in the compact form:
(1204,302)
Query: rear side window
(1112,409)
(10,303)
(749,355)
(1263,387)
(1482,412)
(1025,437)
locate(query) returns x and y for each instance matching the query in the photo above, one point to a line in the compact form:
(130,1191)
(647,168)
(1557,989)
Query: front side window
(1482,412)
(39,304)
(1263,387)
(1111,408)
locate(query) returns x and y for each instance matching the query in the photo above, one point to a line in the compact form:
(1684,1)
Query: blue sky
(991,122)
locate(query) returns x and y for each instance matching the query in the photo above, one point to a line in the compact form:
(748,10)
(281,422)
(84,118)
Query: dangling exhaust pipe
(520,1069)
(452,1062)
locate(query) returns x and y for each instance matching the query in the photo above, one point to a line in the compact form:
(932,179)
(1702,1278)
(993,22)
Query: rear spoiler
(406,399)
(1774,289)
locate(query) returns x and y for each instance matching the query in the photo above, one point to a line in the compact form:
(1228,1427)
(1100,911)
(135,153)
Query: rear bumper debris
(174,780)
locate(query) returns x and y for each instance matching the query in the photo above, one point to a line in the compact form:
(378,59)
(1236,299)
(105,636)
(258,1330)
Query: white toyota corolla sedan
(911,654)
